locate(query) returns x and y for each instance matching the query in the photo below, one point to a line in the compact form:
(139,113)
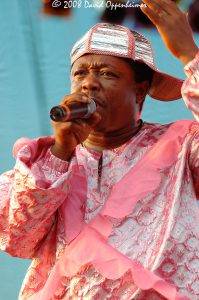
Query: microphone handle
(74,110)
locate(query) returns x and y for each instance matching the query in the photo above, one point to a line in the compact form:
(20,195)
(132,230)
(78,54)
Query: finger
(62,127)
(167,6)
(79,124)
(69,126)
(153,6)
(76,97)
(151,14)
(94,120)
(81,130)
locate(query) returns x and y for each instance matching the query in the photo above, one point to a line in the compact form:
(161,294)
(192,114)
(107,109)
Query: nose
(90,83)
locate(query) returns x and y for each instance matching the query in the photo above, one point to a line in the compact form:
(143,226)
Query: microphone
(72,111)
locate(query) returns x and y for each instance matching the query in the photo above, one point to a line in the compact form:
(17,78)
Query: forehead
(100,60)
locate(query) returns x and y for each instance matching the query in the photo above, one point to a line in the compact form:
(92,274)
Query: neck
(109,140)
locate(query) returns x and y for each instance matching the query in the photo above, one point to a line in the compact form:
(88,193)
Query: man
(107,207)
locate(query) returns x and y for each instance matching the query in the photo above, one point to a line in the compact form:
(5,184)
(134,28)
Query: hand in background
(173,27)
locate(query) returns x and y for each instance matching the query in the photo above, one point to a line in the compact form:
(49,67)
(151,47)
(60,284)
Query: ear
(141,91)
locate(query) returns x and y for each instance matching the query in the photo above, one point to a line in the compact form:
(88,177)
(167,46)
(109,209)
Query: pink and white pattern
(133,236)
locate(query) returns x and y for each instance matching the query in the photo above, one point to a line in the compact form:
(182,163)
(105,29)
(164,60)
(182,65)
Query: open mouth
(99,103)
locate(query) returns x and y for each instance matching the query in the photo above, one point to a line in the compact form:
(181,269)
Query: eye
(79,73)
(107,73)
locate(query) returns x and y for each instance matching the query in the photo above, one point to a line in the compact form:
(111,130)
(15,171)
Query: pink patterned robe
(133,234)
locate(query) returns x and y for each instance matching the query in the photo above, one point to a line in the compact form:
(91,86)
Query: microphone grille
(92,106)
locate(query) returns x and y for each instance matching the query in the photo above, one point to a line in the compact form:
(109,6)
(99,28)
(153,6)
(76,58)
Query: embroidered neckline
(117,151)
(114,145)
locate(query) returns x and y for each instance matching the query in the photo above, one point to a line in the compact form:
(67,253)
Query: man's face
(110,81)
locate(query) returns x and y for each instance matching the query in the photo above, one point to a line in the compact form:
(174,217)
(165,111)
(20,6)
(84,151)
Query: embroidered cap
(116,40)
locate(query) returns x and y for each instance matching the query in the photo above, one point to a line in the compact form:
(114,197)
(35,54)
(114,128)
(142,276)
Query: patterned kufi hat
(116,40)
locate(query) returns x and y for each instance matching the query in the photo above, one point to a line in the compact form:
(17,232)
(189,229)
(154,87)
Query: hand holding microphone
(73,121)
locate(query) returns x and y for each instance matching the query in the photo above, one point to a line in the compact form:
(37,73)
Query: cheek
(74,89)
(111,90)
(74,86)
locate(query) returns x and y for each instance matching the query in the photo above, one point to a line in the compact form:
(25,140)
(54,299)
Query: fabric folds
(91,243)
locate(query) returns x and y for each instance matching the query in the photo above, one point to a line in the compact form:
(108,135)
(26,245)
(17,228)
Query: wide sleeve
(194,157)
(29,197)
(190,87)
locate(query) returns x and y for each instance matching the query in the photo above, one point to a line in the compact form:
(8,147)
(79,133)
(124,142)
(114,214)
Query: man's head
(115,66)
(118,90)
(119,41)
